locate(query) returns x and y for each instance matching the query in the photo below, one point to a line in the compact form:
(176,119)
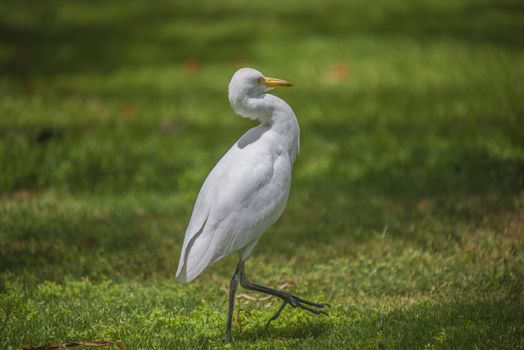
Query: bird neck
(275,113)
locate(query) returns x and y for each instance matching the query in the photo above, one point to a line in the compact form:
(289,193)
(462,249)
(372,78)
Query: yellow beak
(273,82)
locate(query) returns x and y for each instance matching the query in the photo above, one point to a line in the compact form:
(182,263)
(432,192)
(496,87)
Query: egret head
(248,82)
(247,94)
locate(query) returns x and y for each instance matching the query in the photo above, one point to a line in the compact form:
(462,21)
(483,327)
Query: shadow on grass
(456,324)
(83,245)
(490,22)
(278,330)
(479,324)
(81,41)
(52,44)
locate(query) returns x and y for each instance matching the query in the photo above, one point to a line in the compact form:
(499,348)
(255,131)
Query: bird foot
(295,301)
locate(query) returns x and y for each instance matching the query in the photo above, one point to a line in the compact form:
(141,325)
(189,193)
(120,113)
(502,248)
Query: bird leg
(287,298)
(232,291)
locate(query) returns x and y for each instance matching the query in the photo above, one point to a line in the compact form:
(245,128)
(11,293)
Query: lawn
(407,207)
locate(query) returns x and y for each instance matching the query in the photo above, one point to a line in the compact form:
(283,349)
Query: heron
(246,191)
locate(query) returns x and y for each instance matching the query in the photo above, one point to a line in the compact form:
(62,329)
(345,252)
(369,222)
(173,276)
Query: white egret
(246,191)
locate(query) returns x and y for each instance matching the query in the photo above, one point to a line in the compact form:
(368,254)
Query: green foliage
(407,208)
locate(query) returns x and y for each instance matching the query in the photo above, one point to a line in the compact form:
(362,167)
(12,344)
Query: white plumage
(248,188)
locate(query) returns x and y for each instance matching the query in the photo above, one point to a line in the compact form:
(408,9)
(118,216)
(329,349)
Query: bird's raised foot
(228,339)
(299,301)
(295,302)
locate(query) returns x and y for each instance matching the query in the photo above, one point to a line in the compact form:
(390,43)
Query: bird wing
(244,194)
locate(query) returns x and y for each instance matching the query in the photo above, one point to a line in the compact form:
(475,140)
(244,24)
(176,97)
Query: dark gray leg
(287,298)
(232,291)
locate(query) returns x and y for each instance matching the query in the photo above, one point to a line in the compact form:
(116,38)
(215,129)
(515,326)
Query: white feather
(247,189)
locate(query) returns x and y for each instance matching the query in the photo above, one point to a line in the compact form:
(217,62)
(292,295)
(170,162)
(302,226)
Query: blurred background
(410,178)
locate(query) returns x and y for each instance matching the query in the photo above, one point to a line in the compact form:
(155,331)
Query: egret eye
(261,80)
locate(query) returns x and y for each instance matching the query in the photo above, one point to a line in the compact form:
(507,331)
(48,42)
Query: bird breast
(254,187)
(242,196)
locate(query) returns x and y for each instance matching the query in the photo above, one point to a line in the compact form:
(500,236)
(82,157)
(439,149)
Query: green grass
(407,207)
